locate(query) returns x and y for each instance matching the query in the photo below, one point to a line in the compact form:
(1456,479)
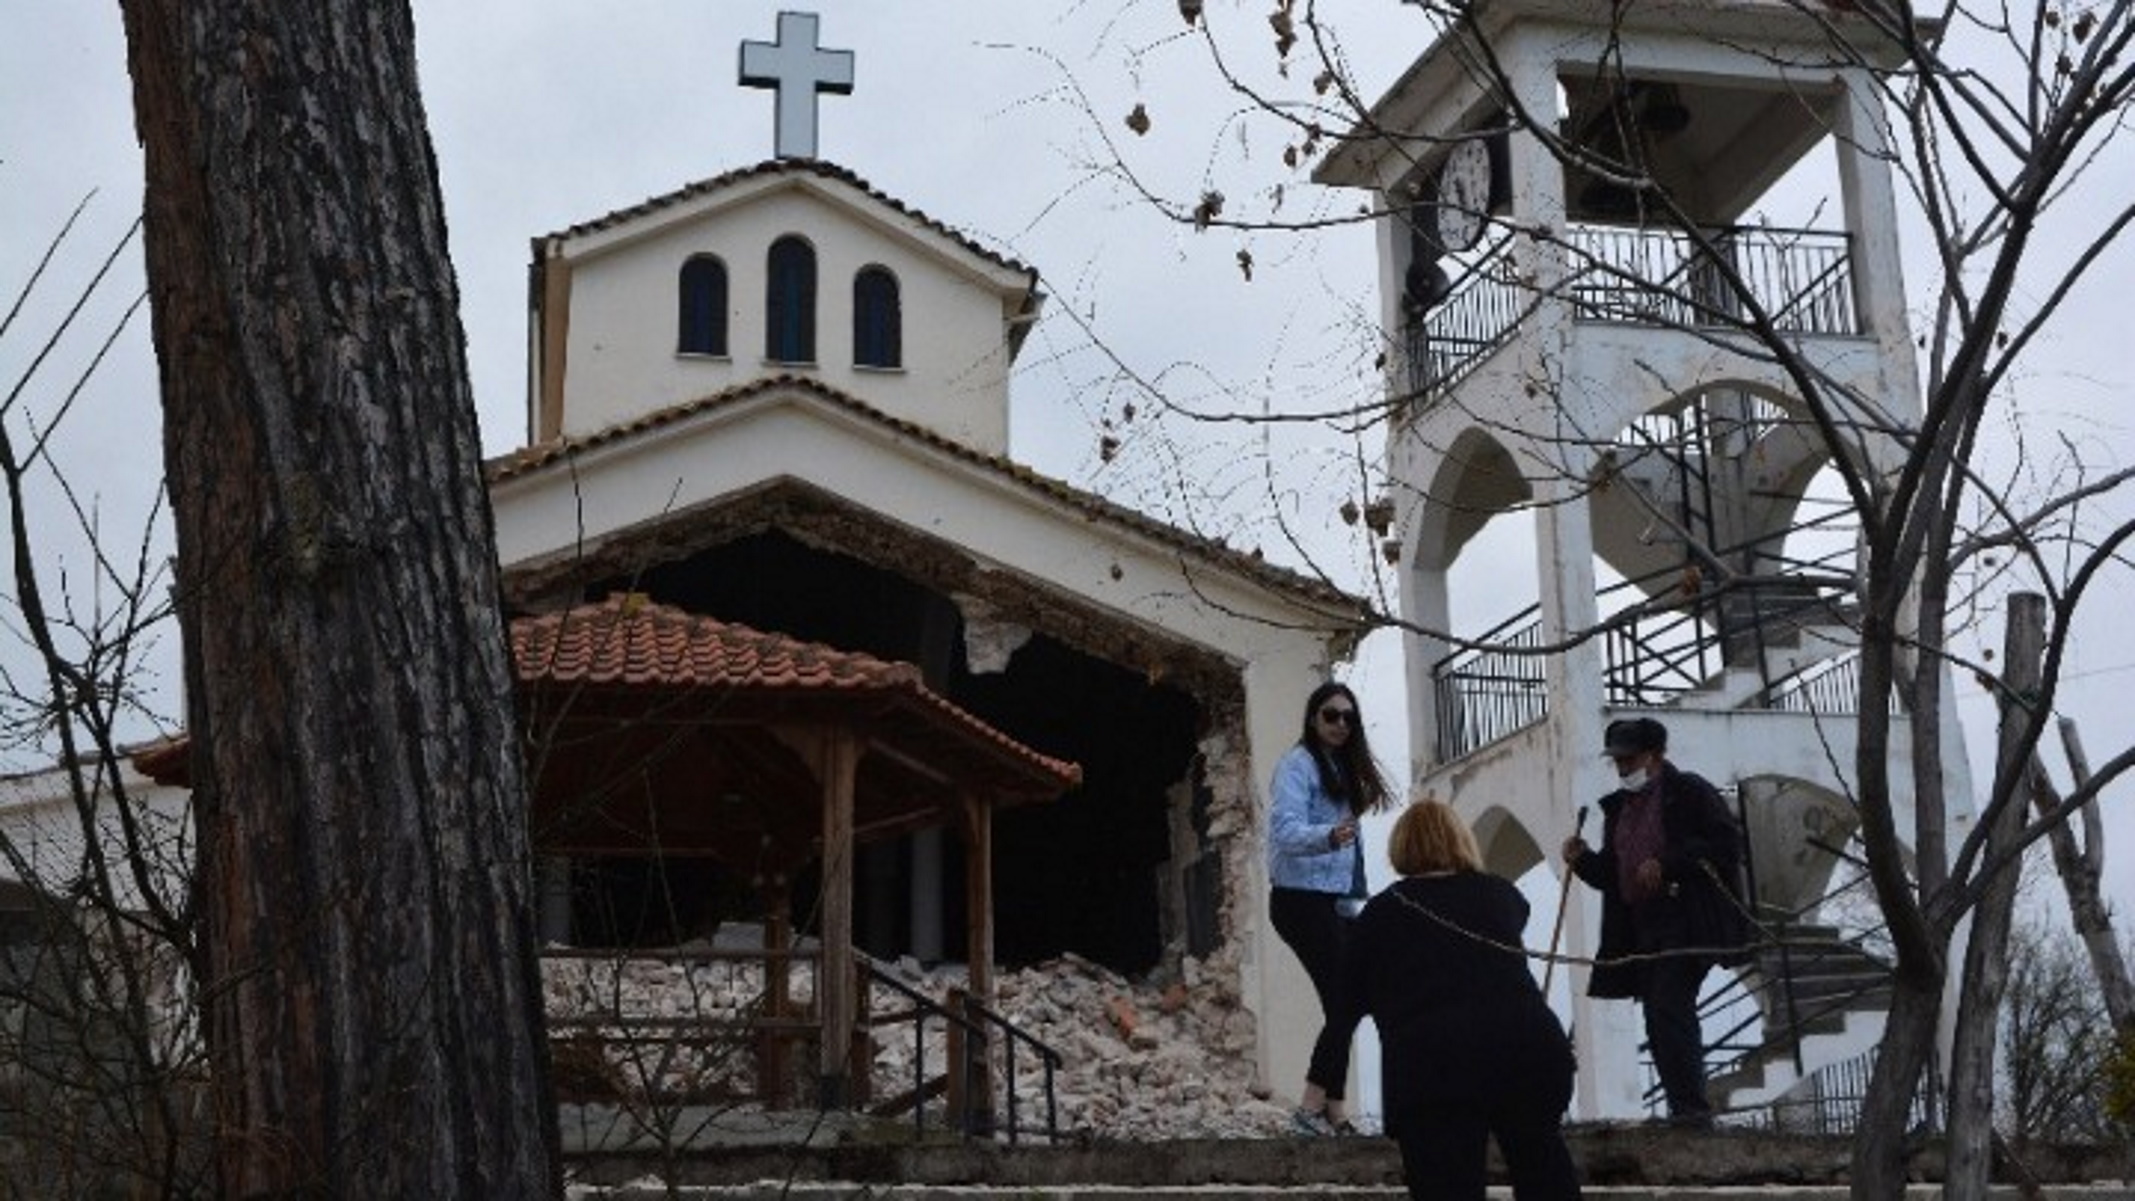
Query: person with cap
(1671,908)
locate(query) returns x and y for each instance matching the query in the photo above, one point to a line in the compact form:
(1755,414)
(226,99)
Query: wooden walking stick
(1564,896)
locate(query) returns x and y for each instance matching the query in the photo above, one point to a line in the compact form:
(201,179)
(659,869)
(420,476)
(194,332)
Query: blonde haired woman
(1468,1046)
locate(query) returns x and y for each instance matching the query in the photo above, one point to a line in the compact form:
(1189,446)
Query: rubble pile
(1138,1062)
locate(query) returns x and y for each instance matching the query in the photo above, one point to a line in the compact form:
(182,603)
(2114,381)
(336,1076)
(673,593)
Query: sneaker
(1347,1129)
(1311,1123)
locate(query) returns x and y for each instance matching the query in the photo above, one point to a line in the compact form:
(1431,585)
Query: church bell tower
(1597,223)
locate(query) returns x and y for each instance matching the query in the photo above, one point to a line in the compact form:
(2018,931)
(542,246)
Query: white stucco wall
(621,360)
(43,833)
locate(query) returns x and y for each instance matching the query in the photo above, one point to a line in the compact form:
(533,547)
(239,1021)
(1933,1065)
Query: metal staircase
(1819,995)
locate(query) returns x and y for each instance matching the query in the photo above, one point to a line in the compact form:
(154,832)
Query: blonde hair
(1430,837)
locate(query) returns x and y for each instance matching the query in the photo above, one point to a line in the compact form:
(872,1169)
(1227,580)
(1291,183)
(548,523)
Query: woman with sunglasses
(1322,786)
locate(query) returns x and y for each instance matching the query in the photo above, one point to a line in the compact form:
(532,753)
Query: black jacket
(1437,963)
(1701,908)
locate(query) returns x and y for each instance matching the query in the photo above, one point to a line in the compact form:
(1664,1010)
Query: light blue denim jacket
(1300,817)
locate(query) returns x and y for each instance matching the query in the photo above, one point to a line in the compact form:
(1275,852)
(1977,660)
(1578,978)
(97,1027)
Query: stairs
(1817,991)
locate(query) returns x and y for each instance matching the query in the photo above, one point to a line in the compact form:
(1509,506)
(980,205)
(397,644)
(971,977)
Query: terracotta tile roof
(528,460)
(788,167)
(631,644)
(628,641)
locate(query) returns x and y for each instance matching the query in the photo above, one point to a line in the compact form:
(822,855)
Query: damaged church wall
(1250,693)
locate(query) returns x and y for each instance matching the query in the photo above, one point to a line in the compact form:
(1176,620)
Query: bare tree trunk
(373,1005)
(2081,869)
(1986,966)
(1920,944)
(1879,1142)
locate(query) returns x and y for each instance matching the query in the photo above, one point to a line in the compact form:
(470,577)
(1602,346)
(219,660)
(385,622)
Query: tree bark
(1880,1139)
(1986,966)
(2081,870)
(371,993)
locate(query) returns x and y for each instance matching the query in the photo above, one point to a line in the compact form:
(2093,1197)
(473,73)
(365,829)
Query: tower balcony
(1772,646)
(1798,282)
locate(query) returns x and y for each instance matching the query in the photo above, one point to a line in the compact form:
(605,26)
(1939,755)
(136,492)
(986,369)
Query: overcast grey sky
(992,117)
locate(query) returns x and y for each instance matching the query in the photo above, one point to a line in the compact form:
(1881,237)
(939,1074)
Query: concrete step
(1618,1162)
(773,1190)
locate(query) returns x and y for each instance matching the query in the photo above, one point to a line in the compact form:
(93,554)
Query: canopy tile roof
(628,641)
(629,644)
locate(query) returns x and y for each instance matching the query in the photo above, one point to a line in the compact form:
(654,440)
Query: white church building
(780,399)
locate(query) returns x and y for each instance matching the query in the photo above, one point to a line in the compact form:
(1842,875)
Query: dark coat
(1701,861)
(1437,963)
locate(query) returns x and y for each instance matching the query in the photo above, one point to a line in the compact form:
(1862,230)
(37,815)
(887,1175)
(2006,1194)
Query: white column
(1425,605)
(1861,142)
(1608,1033)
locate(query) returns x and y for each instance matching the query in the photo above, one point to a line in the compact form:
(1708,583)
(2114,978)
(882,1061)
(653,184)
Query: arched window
(789,334)
(878,327)
(701,323)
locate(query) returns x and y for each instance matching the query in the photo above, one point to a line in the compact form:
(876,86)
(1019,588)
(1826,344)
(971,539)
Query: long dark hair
(1347,772)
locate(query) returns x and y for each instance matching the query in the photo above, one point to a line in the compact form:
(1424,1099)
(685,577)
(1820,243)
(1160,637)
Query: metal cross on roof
(796,68)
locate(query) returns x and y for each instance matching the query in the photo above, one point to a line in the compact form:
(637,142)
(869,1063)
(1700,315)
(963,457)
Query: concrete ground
(811,1159)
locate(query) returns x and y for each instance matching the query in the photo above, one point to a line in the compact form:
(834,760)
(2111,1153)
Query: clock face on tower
(1463,199)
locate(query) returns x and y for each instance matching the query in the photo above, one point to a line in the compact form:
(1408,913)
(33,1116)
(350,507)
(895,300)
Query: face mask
(1635,779)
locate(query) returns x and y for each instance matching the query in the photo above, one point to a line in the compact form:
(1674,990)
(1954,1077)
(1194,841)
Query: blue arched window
(878,326)
(701,323)
(789,334)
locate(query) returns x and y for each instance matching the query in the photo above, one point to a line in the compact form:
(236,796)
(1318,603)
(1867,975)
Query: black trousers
(1444,1146)
(1669,999)
(1316,932)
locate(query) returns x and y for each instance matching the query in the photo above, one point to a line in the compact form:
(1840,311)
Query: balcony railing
(1801,280)
(1457,333)
(1500,686)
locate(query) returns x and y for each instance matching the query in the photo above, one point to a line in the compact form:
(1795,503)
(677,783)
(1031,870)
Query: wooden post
(834,971)
(978,936)
(978,895)
(774,1070)
(957,1042)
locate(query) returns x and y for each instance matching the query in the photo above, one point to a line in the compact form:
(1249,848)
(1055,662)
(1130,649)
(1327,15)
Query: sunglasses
(1331,715)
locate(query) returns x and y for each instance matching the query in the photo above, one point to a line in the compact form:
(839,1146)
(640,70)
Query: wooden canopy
(655,731)
(652,730)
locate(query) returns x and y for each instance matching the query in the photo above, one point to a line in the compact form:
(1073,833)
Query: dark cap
(1632,735)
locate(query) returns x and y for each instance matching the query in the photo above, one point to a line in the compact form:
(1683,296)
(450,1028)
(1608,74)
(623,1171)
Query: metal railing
(1655,662)
(679,1025)
(1488,692)
(1830,687)
(1802,280)
(1500,686)
(967,1069)
(1829,1100)
(682,1026)
(1476,317)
